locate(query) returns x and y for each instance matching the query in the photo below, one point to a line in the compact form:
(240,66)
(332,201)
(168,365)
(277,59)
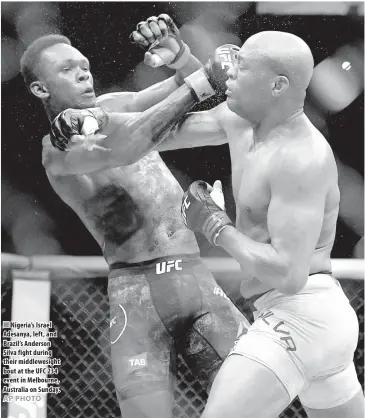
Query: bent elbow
(293,282)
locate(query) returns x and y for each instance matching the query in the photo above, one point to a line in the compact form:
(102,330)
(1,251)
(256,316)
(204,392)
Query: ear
(281,83)
(39,90)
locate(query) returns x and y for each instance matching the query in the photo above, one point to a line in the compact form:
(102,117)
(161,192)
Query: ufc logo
(165,267)
(219,292)
(185,205)
(225,56)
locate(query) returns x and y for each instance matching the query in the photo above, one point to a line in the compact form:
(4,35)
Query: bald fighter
(285,187)
(99,159)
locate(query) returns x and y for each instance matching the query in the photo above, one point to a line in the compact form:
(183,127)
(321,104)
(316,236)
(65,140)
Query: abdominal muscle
(144,246)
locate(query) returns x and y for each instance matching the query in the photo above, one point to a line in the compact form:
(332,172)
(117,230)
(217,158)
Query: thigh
(217,325)
(140,345)
(338,395)
(272,343)
(244,388)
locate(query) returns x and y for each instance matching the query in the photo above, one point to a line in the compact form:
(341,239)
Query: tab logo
(137,362)
(185,205)
(167,266)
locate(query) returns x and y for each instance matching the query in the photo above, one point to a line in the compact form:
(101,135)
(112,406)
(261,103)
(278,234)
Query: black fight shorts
(161,307)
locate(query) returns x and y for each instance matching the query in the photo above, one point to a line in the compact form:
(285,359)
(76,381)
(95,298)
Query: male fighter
(162,296)
(287,199)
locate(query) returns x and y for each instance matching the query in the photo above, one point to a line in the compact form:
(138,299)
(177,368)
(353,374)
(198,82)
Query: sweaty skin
(133,212)
(283,171)
(297,150)
(257,189)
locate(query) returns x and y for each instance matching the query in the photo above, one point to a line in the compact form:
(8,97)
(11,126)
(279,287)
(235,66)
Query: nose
(83,75)
(232,71)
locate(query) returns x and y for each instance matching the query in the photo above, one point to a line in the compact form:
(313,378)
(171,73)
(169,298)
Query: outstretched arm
(294,220)
(144,99)
(129,137)
(197,129)
(128,102)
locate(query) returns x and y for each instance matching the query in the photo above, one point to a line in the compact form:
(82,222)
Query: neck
(277,116)
(50,112)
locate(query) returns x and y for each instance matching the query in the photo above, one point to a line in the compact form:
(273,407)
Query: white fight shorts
(308,340)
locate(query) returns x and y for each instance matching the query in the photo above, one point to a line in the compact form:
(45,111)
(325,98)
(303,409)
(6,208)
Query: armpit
(116,102)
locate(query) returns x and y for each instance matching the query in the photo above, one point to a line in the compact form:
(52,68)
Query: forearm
(128,137)
(133,138)
(190,67)
(261,260)
(154,94)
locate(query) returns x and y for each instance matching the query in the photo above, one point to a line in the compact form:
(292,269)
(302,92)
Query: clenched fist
(160,36)
(78,127)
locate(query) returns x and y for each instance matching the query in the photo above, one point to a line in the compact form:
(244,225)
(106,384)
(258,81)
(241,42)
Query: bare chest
(251,187)
(122,201)
(147,180)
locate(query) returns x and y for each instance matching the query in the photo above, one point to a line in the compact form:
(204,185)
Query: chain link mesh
(80,314)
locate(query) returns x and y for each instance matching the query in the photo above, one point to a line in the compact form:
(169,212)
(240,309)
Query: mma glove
(212,78)
(72,122)
(201,213)
(162,38)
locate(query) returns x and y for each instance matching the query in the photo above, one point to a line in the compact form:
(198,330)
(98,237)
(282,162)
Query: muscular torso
(251,170)
(133,212)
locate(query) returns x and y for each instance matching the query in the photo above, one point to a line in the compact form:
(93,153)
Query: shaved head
(272,73)
(284,53)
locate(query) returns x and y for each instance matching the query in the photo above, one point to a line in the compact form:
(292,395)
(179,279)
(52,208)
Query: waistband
(317,284)
(250,301)
(151,264)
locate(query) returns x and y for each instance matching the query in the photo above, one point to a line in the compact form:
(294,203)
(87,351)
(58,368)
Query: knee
(141,403)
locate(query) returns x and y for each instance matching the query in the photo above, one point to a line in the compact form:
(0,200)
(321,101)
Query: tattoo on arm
(159,121)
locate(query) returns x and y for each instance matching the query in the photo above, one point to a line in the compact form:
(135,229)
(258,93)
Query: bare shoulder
(307,158)
(48,155)
(229,119)
(116,102)
(46,141)
(235,126)
(47,148)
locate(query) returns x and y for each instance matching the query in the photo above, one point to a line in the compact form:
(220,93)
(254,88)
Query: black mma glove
(76,122)
(212,78)
(162,38)
(216,68)
(200,212)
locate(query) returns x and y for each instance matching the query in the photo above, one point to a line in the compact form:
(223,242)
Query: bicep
(196,129)
(138,101)
(295,217)
(61,163)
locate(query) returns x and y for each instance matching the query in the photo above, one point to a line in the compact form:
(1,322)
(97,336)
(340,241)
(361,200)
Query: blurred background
(35,221)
